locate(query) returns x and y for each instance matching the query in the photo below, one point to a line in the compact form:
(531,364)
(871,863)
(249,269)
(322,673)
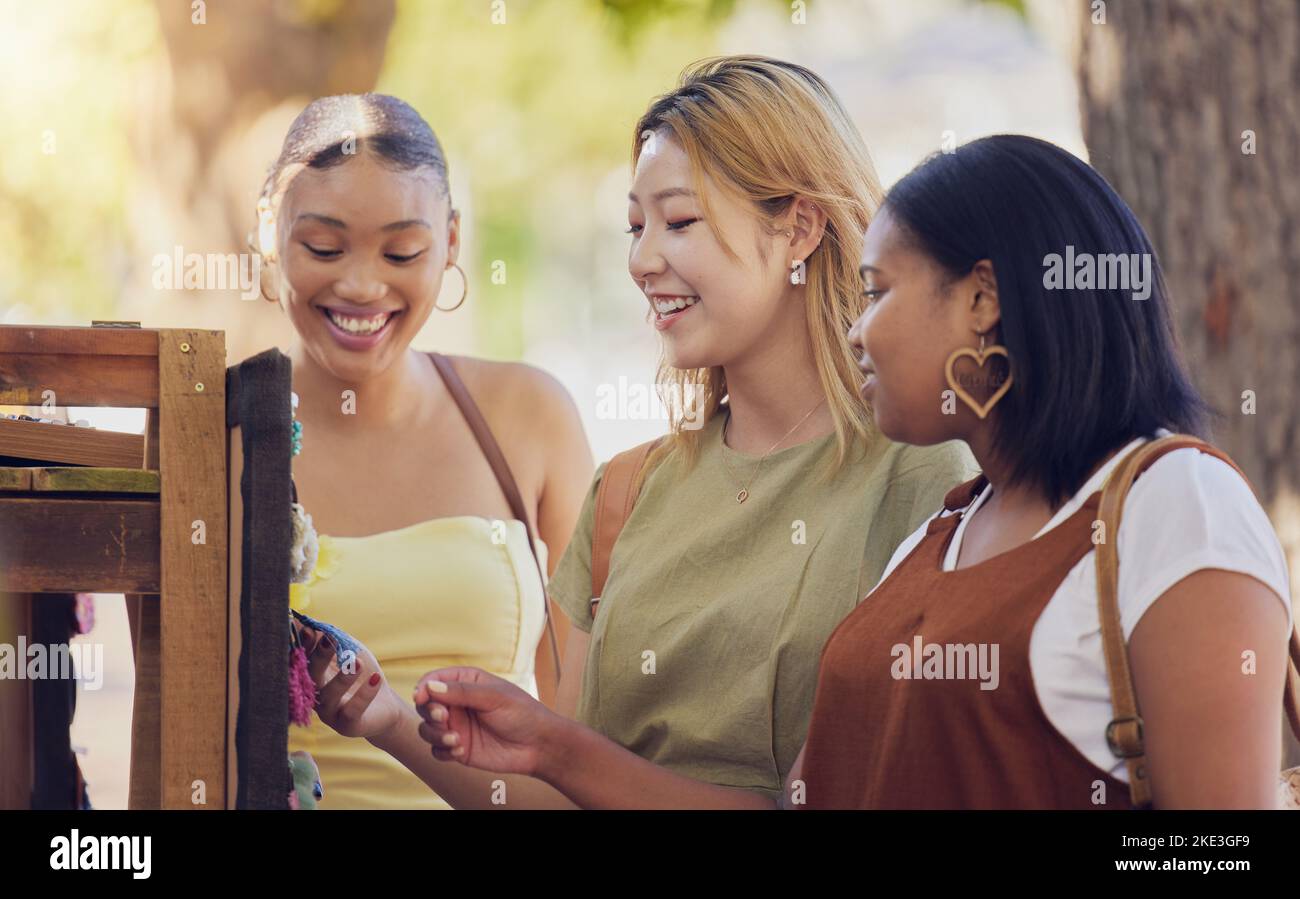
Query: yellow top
(462,590)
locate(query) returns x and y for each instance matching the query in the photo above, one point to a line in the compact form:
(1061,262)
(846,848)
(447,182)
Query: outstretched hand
(484,721)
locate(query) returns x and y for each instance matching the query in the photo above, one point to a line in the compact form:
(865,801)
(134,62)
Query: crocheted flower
(304,547)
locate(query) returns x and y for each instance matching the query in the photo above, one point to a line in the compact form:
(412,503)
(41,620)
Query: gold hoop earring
(980,356)
(261,288)
(463,294)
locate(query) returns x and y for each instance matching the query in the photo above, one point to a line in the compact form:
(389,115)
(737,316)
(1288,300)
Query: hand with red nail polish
(372,709)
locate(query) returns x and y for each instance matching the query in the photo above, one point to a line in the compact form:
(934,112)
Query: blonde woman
(755,534)
(425,475)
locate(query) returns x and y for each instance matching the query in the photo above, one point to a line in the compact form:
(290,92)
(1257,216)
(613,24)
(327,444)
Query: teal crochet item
(296,444)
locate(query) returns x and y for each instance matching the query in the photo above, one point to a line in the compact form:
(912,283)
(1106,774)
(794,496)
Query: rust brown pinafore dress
(876,742)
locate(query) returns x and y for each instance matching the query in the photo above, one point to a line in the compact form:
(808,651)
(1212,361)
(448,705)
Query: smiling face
(361,249)
(710,308)
(912,321)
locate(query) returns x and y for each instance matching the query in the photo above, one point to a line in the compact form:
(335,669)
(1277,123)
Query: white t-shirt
(1187,512)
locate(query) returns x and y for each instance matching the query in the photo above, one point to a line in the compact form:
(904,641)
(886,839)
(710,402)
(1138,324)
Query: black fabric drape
(57,778)
(257,400)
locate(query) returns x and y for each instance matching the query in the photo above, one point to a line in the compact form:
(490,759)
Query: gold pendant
(742,495)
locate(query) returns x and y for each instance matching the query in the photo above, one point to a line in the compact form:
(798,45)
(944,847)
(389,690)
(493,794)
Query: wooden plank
(64,443)
(15,479)
(123,381)
(235,544)
(17,772)
(192,430)
(78,340)
(151,438)
(145,785)
(145,790)
(91,480)
(64,545)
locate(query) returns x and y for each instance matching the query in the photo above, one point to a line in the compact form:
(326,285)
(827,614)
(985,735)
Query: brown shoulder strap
(1124,733)
(615,497)
(483,434)
(964,494)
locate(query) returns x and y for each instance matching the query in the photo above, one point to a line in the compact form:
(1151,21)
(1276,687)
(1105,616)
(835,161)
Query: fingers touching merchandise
(352,696)
(484,721)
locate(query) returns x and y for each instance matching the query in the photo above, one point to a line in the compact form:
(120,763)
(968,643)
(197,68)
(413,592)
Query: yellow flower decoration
(298,600)
(327,562)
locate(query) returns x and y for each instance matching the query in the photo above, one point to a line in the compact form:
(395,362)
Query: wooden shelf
(80,480)
(71,445)
(60,545)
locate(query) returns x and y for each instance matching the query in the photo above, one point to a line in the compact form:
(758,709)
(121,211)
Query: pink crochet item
(302,690)
(85,612)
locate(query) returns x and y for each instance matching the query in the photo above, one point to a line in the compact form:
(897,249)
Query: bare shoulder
(513,388)
(531,413)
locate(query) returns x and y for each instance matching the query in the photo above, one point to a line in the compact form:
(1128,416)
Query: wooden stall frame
(178,604)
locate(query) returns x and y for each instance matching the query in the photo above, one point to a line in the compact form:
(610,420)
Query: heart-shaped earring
(980,356)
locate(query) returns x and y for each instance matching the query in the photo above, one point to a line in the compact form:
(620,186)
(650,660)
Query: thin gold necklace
(744,487)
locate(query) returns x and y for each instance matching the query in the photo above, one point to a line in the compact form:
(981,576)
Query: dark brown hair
(331,129)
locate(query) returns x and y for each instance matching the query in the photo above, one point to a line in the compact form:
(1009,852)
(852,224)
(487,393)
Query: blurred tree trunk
(212,118)
(1191,110)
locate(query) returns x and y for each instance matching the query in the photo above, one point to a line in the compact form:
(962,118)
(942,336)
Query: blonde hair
(771,131)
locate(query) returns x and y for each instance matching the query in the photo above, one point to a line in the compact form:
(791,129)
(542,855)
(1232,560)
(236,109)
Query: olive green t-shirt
(705,647)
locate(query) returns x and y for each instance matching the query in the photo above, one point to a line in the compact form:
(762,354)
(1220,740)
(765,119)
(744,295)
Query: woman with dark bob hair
(1012,302)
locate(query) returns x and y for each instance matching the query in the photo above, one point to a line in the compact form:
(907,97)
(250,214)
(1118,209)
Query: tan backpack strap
(617,493)
(1291,696)
(492,450)
(1124,733)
